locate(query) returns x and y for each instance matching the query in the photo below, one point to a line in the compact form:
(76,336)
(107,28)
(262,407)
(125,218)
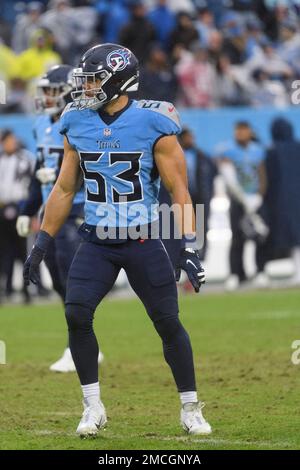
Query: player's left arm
(171,165)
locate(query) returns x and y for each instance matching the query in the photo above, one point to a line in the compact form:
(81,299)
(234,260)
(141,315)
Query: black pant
(147,265)
(12,247)
(238,242)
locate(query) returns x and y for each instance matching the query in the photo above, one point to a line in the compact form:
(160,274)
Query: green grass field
(242,345)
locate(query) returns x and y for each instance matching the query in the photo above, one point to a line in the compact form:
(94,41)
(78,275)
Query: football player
(123,147)
(53,93)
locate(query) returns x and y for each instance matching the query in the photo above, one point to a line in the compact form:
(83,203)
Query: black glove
(32,263)
(189,261)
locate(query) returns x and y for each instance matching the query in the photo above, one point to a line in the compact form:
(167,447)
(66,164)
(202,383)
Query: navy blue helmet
(104,73)
(54,89)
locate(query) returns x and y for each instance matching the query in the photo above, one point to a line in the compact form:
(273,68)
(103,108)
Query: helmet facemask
(51,98)
(89,92)
(94,89)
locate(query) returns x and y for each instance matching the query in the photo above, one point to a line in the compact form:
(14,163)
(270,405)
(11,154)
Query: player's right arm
(61,197)
(57,209)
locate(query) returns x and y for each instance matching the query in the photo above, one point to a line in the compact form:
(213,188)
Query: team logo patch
(107,132)
(119,59)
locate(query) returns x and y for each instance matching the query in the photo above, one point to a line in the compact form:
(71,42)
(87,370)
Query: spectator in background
(229,92)
(185,33)
(33,62)
(112,18)
(289,49)
(205,25)
(16,96)
(267,92)
(277,13)
(158,81)
(6,31)
(255,71)
(15,170)
(264,77)
(243,5)
(215,46)
(197,78)
(138,34)
(163,21)
(266,58)
(241,163)
(234,38)
(72,28)
(25,26)
(282,200)
(254,36)
(217,7)
(8,61)
(181,5)
(60,20)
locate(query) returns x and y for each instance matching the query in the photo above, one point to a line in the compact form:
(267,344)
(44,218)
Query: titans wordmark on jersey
(121,180)
(50,152)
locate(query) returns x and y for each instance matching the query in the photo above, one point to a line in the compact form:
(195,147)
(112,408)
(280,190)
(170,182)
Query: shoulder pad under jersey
(69,107)
(161,107)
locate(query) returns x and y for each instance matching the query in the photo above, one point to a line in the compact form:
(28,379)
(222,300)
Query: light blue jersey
(50,152)
(246,161)
(116,157)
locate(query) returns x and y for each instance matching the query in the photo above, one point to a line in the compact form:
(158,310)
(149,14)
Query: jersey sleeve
(163,118)
(64,120)
(166,120)
(63,123)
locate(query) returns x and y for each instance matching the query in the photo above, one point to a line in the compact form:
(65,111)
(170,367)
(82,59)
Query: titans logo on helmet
(119,59)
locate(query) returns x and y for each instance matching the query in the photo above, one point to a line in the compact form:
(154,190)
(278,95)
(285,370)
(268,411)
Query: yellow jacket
(35,62)
(8,61)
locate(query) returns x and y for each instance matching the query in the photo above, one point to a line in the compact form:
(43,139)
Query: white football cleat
(93,419)
(100,357)
(66,363)
(192,420)
(232,283)
(261,281)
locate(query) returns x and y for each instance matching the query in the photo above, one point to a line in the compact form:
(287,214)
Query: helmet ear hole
(118,87)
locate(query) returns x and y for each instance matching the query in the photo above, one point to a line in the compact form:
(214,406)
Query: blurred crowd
(196,53)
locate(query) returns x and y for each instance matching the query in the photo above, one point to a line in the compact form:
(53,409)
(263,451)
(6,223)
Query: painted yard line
(273,315)
(186,439)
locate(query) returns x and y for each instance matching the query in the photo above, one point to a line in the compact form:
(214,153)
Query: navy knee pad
(79,317)
(161,308)
(169,328)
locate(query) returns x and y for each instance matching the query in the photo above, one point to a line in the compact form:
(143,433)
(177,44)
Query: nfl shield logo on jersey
(107,132)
